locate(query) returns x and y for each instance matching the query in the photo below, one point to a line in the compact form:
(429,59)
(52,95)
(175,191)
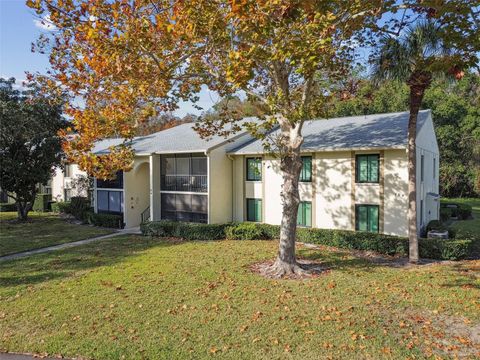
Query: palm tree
(416,57)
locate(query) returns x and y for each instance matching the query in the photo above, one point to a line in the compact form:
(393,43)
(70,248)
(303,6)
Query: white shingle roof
(181,138)
(354,132)
(380,131)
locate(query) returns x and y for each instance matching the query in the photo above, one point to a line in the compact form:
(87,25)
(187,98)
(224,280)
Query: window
(254,169)
(184,172)
(366,218)
(367,168)
(254,210)
(185,207)
(67,171)
(306,173)
(434,167)
(422,167)
(304,217)
(110,201)
(116,183)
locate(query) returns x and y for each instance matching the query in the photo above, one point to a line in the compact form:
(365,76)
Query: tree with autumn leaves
(133,59)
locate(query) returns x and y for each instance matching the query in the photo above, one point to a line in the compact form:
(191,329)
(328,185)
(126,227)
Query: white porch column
(155,205)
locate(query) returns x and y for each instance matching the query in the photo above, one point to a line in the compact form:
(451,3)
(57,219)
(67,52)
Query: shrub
(41,202)
(244,231)
(4,207)
(444,249)
(188,231)
(445,214)
(61,207)
(435,225)
(104,220)
(384,244)
(78,206)
(458,210)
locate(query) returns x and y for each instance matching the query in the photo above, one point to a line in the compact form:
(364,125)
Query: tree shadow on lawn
(336,259)
(467,275)
(65,263)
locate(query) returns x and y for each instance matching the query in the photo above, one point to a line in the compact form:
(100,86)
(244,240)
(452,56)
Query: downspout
(207,153)
(231,158)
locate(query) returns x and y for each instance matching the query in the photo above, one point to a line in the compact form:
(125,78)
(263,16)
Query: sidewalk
(66,246)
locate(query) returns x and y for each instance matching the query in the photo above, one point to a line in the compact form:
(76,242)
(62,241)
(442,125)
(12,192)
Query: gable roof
(379,131)
(179,139)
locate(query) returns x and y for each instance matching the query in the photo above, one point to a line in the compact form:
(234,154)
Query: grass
(140,298)
(42,230)
(466,229)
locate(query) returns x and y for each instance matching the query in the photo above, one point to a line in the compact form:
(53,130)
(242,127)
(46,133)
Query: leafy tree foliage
(29,144)
(133,59)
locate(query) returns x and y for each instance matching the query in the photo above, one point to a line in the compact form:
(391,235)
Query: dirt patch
(312,269)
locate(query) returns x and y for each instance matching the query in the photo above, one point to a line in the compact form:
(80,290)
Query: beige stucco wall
(333,201)
(60,182)
(333,190)
(136,195)
(220,186)
(396,192)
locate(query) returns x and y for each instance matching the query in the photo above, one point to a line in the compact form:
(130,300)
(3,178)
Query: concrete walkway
(23,254)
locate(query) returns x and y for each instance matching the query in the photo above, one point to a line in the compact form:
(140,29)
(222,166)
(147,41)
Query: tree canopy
(29,142)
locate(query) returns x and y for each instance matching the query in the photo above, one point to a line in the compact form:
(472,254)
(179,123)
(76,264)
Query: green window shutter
(373,218)
(300,214)
(373,167)
(258,210)
(308,214)
(306,173)
(362,218)
(304,217)
(362,168)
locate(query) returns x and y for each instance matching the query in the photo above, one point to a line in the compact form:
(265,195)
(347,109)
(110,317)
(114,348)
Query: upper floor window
(367,168)
(116,183)
(306,173)
(254,169)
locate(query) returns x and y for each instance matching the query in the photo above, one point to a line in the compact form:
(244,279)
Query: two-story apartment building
(354,176)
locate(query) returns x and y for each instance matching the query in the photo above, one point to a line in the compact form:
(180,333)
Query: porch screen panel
(102,200)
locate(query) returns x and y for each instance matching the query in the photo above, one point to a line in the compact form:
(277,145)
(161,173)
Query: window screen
(367,168)
(366,218)
(254,210)
(304,217)
(306,173)
(254,169)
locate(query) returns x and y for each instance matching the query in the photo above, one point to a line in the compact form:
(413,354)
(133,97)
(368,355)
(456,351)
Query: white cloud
(44,23)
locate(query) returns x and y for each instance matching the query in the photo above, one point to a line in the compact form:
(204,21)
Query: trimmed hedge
(244,231)
(61,207)
(461,211)
(189,231)
(8,207)
(41,202)
(386,244)
(104,220)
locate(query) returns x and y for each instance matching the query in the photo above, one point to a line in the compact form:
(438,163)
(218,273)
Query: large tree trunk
(418,82)
(290,166)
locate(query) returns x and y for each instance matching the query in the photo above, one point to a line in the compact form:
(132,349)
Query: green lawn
(42,230)
(139,298)
(468,228)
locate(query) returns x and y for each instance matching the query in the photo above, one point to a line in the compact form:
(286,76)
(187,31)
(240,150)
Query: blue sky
(20,26)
